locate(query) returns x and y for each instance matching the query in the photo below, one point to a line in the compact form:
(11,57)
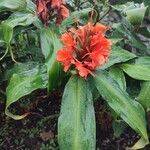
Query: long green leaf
(21,19)
(31,6)
(12,5)
(129,110)
(21,69)
(144,95)
(76,124)
(6,33)
(134,16)
(50,44)
(118,55)
(117,74)
(145,31)
(140,144)
(139,70)
(125,30)
(23,84)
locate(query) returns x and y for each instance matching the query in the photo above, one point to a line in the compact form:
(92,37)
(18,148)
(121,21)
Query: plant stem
(105,14)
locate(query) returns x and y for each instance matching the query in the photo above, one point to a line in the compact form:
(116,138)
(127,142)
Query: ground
(38,131)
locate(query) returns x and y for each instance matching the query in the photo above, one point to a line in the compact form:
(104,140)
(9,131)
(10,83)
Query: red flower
(49,9)
(42,11)
(85,48)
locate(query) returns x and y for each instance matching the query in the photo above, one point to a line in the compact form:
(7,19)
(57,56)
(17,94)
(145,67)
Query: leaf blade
(23,84)
(76,124)
(12,5)
(139,70)
(144,95)
(50,44)
(118,75)
(130,111)
(118,55)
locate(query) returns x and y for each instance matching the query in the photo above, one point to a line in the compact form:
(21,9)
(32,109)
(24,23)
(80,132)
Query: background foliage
(28,63)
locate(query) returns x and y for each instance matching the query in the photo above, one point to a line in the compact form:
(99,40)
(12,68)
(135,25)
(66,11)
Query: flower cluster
(85,48)
(49,9)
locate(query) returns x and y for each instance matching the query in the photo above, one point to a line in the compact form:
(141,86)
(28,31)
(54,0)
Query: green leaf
(140,144)
(50,44)
(115,39)
(76,124)
(31,7)
(20,69)
(82,14)
(147,2)
(126,1)
(6,29)
(12,5)
(23,84)
(117,74)
(118,55)
(20,19)
(145,31)
(125,30)
(143,61)
(6,33)
(123,5)
(139,70)
(134,16)
(129,110)
(144,95)
(118,127)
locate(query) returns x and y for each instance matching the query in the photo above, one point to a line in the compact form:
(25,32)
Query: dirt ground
(38,131)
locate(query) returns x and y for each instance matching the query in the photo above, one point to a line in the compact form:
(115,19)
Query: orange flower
(49,9)
(85,48)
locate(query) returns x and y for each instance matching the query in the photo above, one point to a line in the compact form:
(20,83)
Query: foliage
(28,50)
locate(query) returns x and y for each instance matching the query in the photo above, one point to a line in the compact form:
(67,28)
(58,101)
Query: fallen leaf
(45,136)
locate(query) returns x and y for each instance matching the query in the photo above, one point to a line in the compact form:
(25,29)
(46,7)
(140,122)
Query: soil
(38,131)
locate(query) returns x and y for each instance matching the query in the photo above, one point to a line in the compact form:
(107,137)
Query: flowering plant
(90,60)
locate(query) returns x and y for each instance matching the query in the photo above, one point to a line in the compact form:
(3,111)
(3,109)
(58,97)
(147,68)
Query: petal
(99,28)
(40,5)
(64,11)
(64,55)
(55,3)
(99,57)
(91,65)
(66,66)
(105,52)
(67,39)
(105,43)
(83,72)
(99,43)
(101,60)
(96,39)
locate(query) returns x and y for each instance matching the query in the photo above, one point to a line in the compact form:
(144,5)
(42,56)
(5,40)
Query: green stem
(11,54)
(4,54)
(106,13)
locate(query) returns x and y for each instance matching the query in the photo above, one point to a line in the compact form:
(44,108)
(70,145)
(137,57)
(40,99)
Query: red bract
(85,48)
(49,9)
